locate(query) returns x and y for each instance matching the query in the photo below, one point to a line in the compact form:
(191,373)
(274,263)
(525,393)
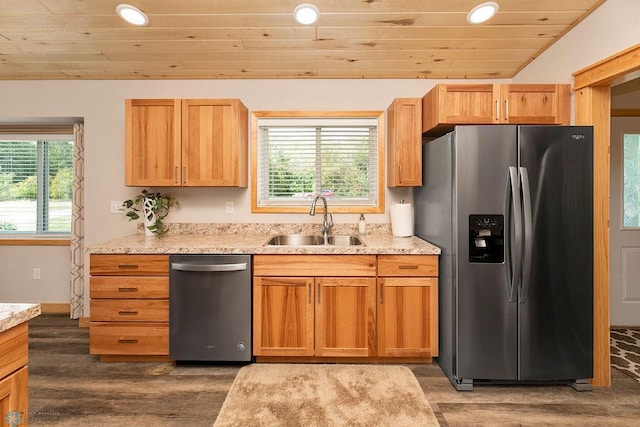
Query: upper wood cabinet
(404,142)
(152,142)
(447,105)
(190,142)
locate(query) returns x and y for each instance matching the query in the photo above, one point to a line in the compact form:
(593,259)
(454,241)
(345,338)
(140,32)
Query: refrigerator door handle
(514,263)
(528,234)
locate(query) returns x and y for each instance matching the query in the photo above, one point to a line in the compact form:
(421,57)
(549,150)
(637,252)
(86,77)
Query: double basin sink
(313,240)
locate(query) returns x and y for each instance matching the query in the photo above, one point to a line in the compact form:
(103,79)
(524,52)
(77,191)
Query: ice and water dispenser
(486,238)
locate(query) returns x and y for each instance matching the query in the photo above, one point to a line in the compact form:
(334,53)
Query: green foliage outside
(18,170)
(61,185)
(7,226)
(631,191)
(345,174)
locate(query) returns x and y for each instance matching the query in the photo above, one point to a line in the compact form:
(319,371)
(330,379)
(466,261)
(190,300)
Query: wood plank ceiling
(239,39)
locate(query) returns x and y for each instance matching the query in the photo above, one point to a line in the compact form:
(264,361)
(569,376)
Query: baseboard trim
(55,308)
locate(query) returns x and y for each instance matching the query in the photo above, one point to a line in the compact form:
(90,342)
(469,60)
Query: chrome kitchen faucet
(327,223)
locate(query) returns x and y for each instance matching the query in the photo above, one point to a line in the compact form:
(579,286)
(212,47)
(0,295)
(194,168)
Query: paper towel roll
(402,220)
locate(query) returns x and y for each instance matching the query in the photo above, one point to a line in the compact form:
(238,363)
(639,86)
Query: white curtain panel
(77,225)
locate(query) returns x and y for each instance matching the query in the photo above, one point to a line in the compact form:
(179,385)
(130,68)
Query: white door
(625,221)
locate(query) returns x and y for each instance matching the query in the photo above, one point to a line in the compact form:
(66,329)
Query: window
(298,156)
(36,176)
(631,180)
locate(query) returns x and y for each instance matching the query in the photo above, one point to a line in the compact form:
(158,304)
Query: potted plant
(155,207)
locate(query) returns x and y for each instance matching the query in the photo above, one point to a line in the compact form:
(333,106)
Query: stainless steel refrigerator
(511,207)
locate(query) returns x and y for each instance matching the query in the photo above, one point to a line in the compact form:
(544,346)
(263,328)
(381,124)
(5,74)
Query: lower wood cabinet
(349,306)
(129,306)
(407,305)
(14,393)
(332,307)
(122,338)
(283,316)
(345,316)
(332,316)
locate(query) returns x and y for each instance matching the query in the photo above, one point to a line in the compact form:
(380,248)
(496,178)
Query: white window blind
(333,157)
(36,176)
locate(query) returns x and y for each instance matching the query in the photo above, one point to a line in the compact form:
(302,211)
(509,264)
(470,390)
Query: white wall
(611,28)
(17,283)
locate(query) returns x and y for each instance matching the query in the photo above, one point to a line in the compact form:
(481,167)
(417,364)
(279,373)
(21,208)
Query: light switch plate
(229,207)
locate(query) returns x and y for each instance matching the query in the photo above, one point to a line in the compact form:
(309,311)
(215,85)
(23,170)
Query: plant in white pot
(155,207)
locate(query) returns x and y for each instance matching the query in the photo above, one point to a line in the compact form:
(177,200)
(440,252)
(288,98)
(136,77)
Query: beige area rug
(325,395)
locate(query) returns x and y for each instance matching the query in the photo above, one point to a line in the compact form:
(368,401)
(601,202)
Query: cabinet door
(404,139)
(14,395)
(535,104)
(449,104)
(408,317)
(214,143)
(152,142)
(345,317)
(283,316)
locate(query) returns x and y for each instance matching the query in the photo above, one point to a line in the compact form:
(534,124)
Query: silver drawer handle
(208,267)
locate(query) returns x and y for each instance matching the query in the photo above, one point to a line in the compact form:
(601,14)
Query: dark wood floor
(69,387)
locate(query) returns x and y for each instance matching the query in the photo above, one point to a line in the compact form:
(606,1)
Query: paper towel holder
(402,220)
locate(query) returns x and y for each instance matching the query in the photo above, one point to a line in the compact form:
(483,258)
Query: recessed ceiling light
(132,14)
(306,14)
(482,12)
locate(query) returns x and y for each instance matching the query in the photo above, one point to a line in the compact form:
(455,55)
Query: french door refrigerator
(511,208)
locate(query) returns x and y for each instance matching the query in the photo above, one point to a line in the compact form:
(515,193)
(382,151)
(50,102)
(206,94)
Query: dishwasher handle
(208,267)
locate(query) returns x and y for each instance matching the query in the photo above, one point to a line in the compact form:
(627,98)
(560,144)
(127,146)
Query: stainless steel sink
(296,240)
(313,240)
(344,240)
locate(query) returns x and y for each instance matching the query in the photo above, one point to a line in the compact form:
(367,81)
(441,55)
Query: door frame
(592,102)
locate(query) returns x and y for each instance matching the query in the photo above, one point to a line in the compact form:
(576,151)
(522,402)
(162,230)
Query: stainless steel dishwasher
(210,308)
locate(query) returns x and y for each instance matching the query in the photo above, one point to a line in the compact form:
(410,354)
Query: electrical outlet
(36,274)
(116,207)
(229,207)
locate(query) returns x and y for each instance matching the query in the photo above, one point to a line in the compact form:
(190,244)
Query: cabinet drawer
(129,287)
(132,338)
(314,265)
(129,265)
(14,352)
(408,265)
(109,310)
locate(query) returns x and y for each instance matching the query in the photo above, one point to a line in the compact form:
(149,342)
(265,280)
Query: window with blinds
(303,157)
(36,176)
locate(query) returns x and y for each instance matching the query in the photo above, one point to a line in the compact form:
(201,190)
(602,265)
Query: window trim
(256,115)
(34,241)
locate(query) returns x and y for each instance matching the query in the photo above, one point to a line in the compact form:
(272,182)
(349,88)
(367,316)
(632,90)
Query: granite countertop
(13,314)
(252,238)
